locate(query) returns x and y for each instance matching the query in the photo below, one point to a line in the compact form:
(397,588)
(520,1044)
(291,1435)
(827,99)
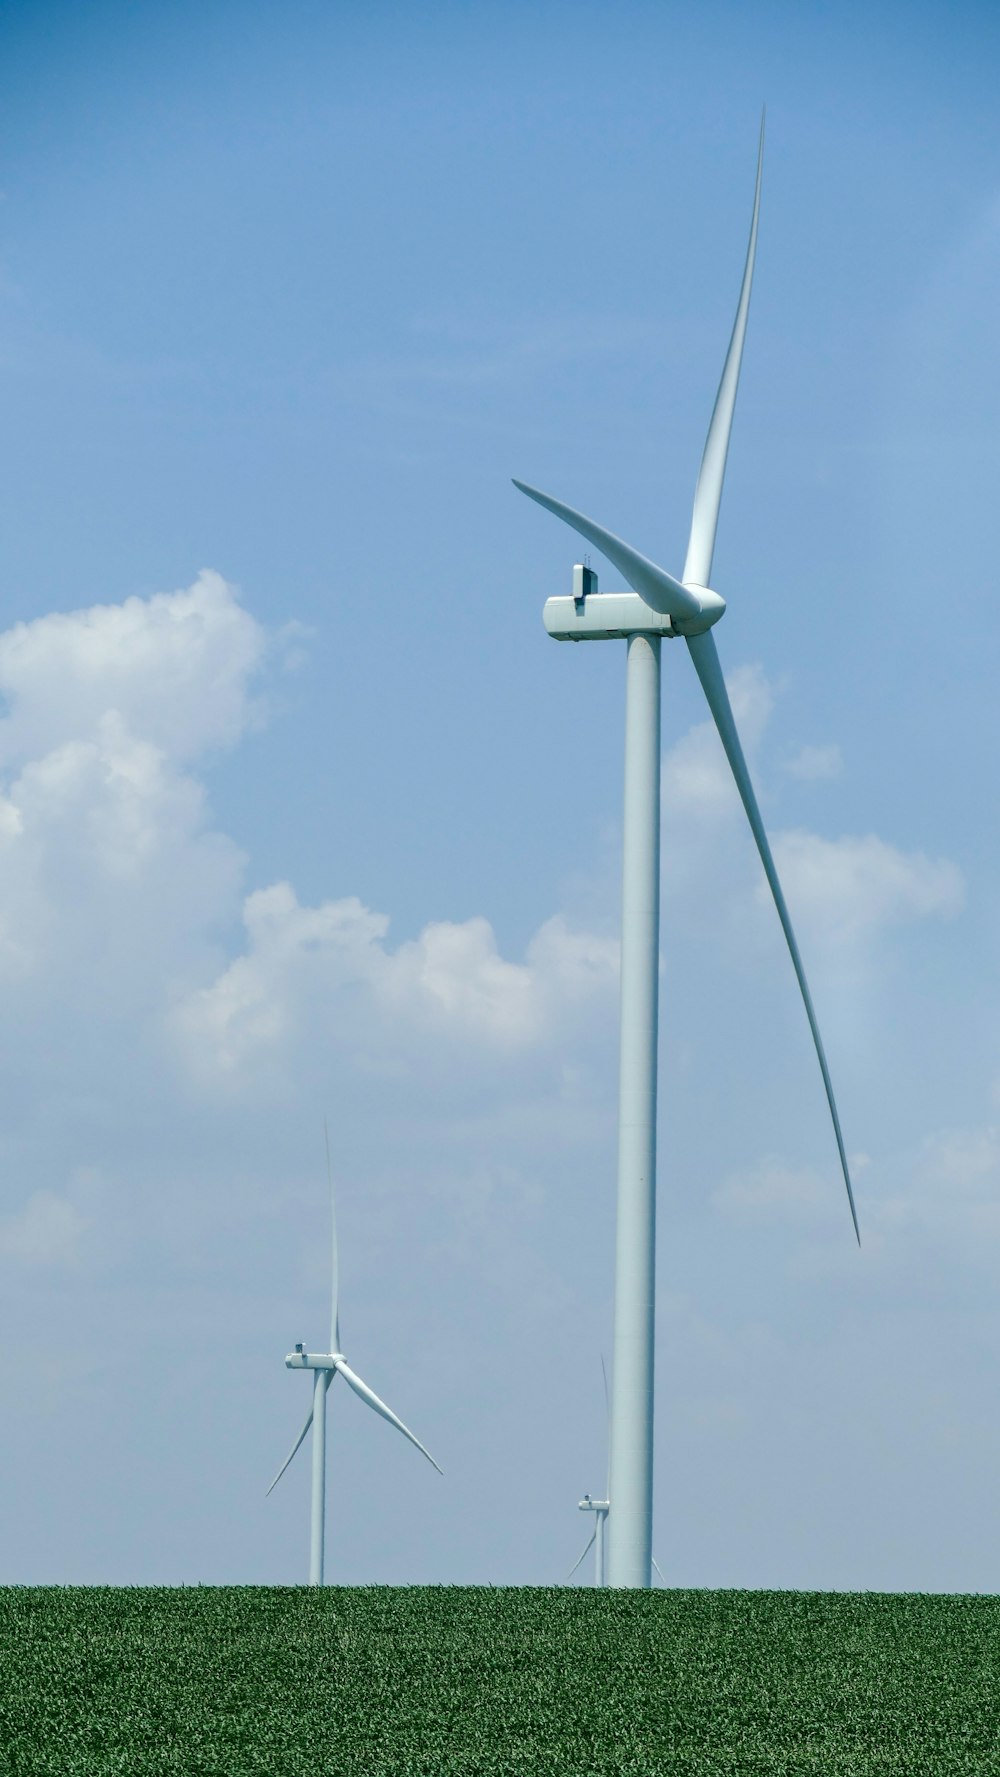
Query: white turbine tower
(601,1507)
(658,606)
(325,1365)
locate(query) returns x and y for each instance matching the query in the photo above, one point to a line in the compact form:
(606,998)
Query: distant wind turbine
(325,1365)
(600,1508)
(659,606)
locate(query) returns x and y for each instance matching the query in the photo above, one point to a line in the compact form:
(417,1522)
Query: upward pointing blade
(607,1422)
(708,493)
(706,661)
(371,1399)
(655,585)
(300,1440)
(335,1261)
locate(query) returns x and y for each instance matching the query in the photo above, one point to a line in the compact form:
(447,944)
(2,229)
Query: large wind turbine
(658,606)
(325,1365)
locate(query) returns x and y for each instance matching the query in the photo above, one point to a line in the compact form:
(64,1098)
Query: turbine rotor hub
(712,607)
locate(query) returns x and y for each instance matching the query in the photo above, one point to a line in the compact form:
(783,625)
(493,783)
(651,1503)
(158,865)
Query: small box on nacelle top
(584,582)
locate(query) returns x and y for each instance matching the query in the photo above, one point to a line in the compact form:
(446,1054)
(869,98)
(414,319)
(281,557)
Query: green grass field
(446,1680)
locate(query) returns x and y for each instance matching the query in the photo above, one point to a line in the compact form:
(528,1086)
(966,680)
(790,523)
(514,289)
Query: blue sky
(302,814)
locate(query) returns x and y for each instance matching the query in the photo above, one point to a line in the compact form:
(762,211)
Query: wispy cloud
(814,764)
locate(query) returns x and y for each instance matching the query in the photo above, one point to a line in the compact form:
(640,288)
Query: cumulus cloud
(108,860)
(846,889)
(450,981)
(174,669)
(851,887)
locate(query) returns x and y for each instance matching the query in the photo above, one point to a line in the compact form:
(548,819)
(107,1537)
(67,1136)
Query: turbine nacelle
(300,1359)
(672,607)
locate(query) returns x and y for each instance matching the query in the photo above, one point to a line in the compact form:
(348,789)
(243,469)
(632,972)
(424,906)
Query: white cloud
(696,777)
(769,1189)
(851,887)
(814,764)
(46,1232)
(845,889)
(174,668)
(107,858)
(450,981)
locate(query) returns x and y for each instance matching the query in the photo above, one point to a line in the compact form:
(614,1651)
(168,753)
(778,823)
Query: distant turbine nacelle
(300,1359)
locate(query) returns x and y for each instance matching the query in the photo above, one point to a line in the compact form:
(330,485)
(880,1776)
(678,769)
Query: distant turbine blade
(371,1399)
(583,1557)
(300,1440)
(335,1262)
(655,585)
(708,493)
(706,661)
(607,1423)
(658,1568)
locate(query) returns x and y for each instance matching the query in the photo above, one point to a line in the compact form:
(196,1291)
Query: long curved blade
(706,661)
(371,1399)
(296,1447)
(582,1558)
(655,585)
(335,1261)
(708,493)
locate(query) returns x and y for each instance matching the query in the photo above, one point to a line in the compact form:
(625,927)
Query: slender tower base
(630,1520)
(318,1478)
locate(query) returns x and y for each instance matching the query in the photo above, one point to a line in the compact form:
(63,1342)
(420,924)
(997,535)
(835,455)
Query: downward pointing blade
(655,585)
(583,1557)
(708,493)
(296,1447)
(706,661)
(371,1399)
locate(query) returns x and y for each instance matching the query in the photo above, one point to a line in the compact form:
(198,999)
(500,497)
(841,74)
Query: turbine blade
(655,585)
(582,1558)
(658,1568)
(371,1399)
(335,1261)
(300,1440)
(706,661)
(607,1424)
(708,493)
